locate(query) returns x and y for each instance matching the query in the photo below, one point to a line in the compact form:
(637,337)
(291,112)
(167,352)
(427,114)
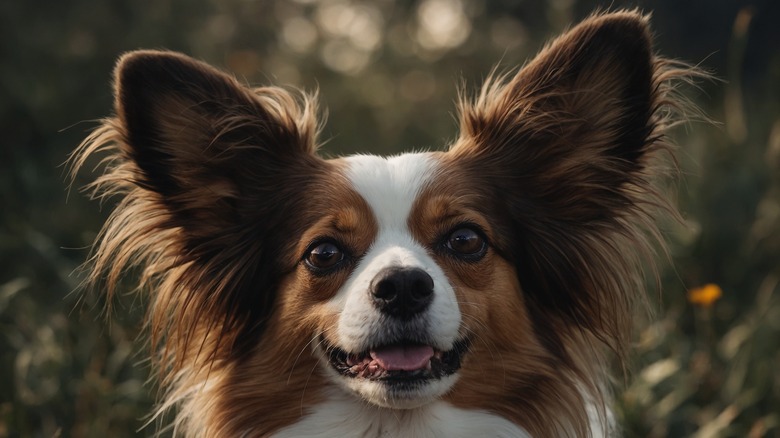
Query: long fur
(582,188)
(197,264)
(587,216)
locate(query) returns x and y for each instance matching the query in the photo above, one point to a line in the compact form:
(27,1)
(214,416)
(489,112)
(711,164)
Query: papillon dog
(482,290)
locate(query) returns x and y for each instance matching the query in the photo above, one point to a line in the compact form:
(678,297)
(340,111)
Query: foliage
(388,73)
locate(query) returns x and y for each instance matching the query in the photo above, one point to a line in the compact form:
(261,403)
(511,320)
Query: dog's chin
(425,375)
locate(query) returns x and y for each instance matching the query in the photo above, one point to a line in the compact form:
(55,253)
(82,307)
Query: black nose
(402,292)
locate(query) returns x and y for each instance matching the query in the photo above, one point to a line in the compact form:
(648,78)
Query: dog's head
(490,275)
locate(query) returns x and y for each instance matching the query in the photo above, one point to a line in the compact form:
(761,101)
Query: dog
(482,290)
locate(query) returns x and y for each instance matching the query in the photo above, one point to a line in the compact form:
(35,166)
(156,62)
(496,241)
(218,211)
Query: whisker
(300,352)
(306,385)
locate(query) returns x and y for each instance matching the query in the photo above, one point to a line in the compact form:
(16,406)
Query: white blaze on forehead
(390,185)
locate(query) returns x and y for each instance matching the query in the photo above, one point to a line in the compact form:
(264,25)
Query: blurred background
(707,364)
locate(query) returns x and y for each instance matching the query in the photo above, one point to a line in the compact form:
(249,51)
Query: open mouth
(403,362)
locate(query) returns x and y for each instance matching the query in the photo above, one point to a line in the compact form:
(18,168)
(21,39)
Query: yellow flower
(706,295)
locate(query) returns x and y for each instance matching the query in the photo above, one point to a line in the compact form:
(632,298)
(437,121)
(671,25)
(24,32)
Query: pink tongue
(403,357)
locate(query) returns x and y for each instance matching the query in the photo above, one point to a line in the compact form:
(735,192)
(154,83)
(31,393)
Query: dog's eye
(467,243)
(324,256)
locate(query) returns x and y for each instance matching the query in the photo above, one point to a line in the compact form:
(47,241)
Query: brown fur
(507,369)
(575,146)
(221,192)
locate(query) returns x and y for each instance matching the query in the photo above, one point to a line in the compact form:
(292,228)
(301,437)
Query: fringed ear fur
(209,172)
(573,144)
(199,138)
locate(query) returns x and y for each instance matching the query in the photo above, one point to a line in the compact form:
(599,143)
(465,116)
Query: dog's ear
(569,143)
(201,140)
(580,114)
(211,175)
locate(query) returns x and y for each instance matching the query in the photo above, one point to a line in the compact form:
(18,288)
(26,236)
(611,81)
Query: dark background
(387,72)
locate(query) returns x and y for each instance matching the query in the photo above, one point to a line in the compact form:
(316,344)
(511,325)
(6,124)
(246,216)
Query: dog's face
(396,337)
(408,256)
(488,275)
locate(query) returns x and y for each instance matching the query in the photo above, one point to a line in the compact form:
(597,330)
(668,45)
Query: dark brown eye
(324,256)
(467,243)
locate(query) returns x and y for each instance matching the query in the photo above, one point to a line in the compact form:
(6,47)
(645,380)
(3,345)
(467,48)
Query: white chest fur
(344,416)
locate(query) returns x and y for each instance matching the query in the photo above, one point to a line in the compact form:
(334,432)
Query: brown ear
(569,143)
(201,140)
(210,176)
(581,110)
